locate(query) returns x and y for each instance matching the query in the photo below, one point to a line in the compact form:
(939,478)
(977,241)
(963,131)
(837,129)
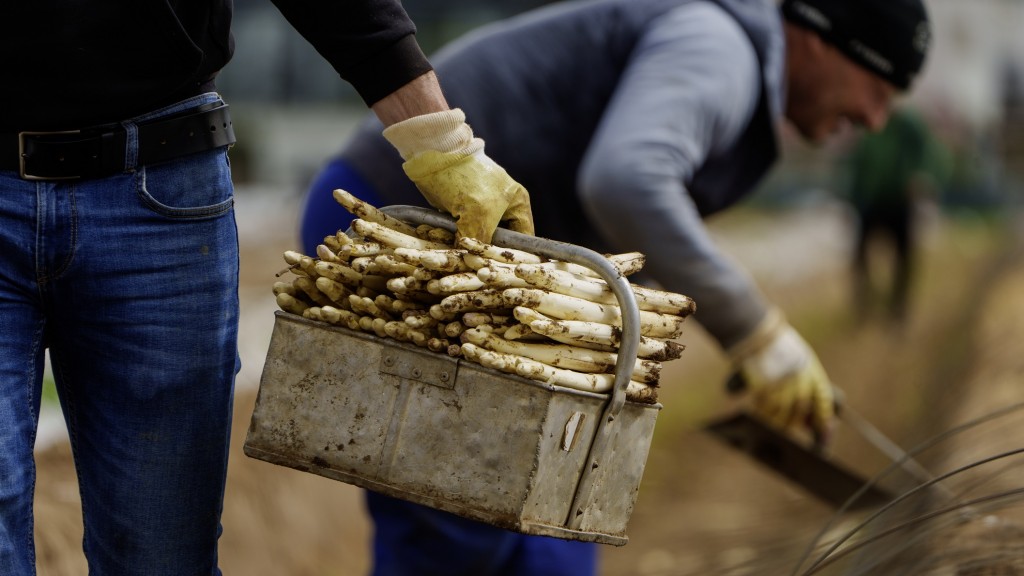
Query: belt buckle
(22,156)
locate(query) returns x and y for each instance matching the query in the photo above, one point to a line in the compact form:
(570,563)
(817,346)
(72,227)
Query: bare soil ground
(702,508)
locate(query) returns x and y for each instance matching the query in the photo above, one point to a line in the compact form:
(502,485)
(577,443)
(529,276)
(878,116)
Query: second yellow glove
(450,169)
(787,384)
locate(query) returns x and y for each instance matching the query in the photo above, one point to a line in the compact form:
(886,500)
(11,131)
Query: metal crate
(451,434)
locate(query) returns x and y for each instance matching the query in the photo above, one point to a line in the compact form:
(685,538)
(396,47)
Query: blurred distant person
(120,250)
(630,121)
(891,171)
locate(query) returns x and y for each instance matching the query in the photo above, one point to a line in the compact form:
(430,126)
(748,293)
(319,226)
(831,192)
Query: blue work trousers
(130,281)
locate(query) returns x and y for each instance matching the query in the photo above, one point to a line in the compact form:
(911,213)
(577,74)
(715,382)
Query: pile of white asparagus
(510,310)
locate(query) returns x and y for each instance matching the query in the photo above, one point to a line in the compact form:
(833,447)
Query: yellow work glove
(449,167)
(786,382)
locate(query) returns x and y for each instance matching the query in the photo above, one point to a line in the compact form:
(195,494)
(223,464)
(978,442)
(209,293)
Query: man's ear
(805,42)
(815,45)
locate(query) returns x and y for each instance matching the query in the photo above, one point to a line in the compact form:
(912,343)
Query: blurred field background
(702,508)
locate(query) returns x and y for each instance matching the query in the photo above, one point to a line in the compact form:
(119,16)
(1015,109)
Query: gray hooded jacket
(628,121)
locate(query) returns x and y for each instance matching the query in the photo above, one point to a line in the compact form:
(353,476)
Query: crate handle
(630,340)
(628,347)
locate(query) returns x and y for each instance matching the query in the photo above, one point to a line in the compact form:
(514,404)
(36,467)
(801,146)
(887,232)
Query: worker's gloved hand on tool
(786,382)
(449,167)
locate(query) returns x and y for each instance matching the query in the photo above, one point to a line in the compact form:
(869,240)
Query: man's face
(830,92)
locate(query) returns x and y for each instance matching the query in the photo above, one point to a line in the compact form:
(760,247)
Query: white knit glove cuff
(786,354)
(440,131)
(773,350)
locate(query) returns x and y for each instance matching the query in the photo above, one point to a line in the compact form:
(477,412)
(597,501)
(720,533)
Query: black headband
(888,37)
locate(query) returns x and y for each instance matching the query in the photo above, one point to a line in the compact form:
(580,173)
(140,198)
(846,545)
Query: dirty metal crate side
(450,434)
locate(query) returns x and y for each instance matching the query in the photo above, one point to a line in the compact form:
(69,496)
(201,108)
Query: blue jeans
(131,282)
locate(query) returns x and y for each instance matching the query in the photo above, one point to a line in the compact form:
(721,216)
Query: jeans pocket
(193,187)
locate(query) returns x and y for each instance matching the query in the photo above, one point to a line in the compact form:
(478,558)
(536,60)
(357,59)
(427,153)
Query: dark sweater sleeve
(370,43)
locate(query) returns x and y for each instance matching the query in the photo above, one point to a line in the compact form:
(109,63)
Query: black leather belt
(100,151)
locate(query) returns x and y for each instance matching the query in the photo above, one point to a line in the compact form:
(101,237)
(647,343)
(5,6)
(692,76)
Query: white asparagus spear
(487,358)
(501,254)
(332,244)
(387,303)
(285,287)
(496,276)
(292,257)
(607,337)
(300,263)
(368,212)
(378,326)
(477,262)
(366,323)
(438,344)
(420,319)
(357,249)
(367,306)
(452,283)
(627,263)
(364,265)
(308,287)
(563,355)
(556,355)
(338,272)
(597,290)
(400,305)
(325,253)
(521,332)
(449,260)
(453,329)
(389,264)
(652,324)
(406,285)
(290,303)
(474,319)
(405,333)
(442,315)
(499,330)
(342,238)
(600,383)
(336,242)
(391,238)
(334,290)
(476,301)
(340,317)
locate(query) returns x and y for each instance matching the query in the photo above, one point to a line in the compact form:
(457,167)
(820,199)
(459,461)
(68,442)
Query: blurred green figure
(890,172)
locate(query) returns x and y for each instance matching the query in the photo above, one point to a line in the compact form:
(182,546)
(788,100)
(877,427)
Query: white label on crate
(572,426)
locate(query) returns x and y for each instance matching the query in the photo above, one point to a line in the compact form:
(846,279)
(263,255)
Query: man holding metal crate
(120,251)
(630,121)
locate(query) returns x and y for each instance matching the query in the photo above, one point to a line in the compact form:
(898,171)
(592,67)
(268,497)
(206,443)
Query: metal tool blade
(900,457)
(805,466)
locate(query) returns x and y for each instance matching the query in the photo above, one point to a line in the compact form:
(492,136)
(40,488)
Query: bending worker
(120,252)
(629,121)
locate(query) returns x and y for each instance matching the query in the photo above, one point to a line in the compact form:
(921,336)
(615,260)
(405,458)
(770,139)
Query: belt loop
(131,146)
